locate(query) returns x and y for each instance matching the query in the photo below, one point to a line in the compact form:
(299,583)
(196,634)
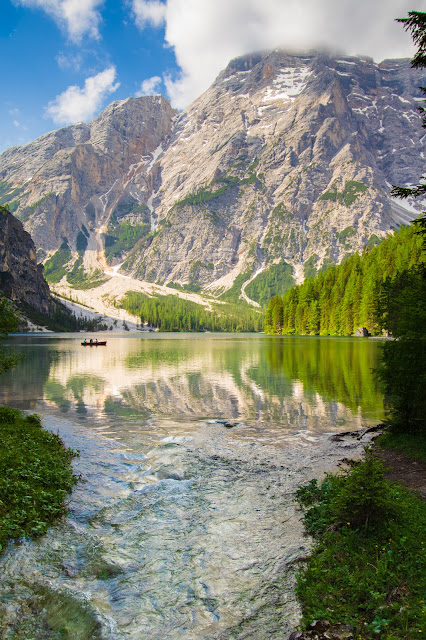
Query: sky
(63,61)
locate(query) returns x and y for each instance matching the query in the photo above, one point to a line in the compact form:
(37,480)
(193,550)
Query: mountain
(21,278)
(281,167)
(76,176)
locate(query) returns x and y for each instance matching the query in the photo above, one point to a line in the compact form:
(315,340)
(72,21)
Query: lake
(184,524)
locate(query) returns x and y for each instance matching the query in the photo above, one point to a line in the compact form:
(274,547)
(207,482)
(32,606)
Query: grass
(352,190)
(79,278)
(368,564)
(413,445)
(54,267)
(35,476)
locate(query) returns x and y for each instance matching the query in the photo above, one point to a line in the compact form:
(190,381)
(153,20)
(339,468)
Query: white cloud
(16,123)
(149,12)
(76,104)
(73,62)
(77,17)
(207,34)
(149,86)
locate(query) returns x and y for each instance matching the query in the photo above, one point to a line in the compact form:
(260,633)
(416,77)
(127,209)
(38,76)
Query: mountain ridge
(285,160)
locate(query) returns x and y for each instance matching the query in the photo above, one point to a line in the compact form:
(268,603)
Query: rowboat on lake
(94,344)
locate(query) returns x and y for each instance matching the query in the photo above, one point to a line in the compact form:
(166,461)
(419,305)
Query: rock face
(76,175)
(21,278)
(284,159)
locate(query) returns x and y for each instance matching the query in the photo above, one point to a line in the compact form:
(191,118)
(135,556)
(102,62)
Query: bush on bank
(35,476)
(368,564)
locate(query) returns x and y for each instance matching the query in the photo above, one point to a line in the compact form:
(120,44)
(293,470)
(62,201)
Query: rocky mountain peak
(284,164)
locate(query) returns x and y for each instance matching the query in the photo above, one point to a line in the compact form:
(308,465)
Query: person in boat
(96,341)
(84,341)
(91,340)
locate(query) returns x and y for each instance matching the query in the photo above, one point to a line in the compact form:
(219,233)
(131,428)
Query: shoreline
(325,454)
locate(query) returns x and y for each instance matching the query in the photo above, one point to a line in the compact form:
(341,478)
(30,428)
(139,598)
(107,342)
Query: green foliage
(345,297)
(123,238)
(9,322)
(402,371)
(79,278)
(35,476)
(205,194)
(253,165)
(364,498)
(338,370)
(191,287)
(277,278)
(310,266)
(367,568)
(346,233)
(29,210)
(374,576)
(373,241)
(61,319)
(412,444)
(233,294)
(13,206)
(402,310)
(416,24)
(54,267)
(352,190)
(8,319)
(171,313)
(8,192)
(330,195)
(128,205)
(81,242)
(402,303)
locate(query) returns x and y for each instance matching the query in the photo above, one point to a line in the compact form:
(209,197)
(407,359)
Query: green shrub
(360,498)
(35,476)
(365,499)
(277,279)
(351,191)
(54,267)
(123,238)
(367,568)
(81,242)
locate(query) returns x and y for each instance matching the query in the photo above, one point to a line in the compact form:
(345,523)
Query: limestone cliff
(285,159)
(21,278)
(69,179)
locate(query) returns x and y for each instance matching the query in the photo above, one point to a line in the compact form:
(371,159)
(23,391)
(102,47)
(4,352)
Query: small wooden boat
(94,344)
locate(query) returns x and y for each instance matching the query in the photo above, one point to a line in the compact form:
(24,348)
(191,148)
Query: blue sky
(63,61)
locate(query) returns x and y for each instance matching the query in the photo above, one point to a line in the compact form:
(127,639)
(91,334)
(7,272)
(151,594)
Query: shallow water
(181,527)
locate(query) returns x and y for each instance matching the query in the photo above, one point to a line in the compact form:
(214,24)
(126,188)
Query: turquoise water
(182,526)
(289,383)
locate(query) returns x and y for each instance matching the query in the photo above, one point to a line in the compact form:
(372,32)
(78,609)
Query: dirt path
(410,473)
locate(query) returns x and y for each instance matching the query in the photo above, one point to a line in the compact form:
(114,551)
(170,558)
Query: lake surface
(182,527)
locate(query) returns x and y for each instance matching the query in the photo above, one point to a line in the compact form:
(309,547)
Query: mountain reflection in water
(314,384)
(180,528)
